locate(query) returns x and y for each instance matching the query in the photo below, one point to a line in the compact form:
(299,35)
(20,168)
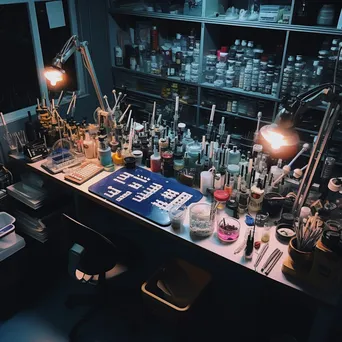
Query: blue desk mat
(145,193)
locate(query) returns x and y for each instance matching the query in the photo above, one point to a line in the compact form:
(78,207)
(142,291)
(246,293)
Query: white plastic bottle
(89,147)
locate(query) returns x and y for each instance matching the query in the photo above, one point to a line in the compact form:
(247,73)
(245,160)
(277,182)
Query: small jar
(234,107)
(232,205)
(167,164)
(178,164)
(220,199)
(138,155)
(243,201)
(177,215)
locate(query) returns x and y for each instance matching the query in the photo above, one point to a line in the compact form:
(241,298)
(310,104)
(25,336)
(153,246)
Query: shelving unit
(239,91)
(236,115)
(237,23)
(210,26)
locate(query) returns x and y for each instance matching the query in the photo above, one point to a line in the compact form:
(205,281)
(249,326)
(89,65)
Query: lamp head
(285,119)
(54,75)
(279,142)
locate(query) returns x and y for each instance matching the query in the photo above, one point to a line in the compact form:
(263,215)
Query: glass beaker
(201,219)
(228,229)
(266,233)
(177,215)
(260,222)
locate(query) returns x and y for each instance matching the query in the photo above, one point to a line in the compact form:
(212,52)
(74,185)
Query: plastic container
(12,242)
(177,215)
(206,182)
(6,219)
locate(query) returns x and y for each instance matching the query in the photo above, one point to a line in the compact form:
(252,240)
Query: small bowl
(285,232)
(227,233)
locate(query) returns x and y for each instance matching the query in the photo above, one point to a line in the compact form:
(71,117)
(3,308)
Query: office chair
(93,259)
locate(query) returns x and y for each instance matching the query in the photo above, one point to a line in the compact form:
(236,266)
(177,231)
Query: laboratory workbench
(211,244)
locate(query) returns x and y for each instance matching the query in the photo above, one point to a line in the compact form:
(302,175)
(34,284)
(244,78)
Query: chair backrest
(100,254)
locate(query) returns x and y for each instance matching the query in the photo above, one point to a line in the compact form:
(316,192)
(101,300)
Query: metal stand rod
(330,117)
(90,67)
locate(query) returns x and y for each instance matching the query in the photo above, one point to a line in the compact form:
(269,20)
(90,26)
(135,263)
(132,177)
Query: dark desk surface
(211,244)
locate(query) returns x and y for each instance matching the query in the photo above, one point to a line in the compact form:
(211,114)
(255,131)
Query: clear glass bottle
(233,49)
(187,140)
(178,163)
(221,69)
(193,149)
(196,8)
(242,75)
(186,9)
(194,72)
(182,72)
(288,76)
(255,75)
(243,162)
(275,82)
(237,74)
(262,82)
(188,69)
(316,78)
(249,55)
(177,42)
(234,156)
(243,200)
(184,43)
(306,80)
(297,81)
(268,83)
(230,77)
(248,76)
(154,64)
(244,47)
(240,51)
(210,66)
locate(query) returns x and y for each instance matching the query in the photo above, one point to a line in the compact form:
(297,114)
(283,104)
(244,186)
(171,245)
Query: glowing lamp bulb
(276,140)
(53,76)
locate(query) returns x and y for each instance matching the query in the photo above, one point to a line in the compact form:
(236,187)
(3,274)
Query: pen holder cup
(301,261)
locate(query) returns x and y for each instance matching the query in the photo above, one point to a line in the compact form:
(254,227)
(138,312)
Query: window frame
(37,48)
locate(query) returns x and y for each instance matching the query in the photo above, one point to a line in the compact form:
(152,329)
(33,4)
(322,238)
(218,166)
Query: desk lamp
(281,141)
(55,73)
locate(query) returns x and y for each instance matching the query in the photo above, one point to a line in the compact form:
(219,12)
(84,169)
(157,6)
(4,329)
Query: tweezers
(270,258)
(275,260)
(261,255)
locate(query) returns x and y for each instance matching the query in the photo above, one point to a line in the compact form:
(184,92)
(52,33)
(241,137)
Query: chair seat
(117,270)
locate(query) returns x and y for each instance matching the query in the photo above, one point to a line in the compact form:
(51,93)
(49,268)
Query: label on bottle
(118,56)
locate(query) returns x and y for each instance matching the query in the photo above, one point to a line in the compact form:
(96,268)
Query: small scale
(85,172)
(147,194)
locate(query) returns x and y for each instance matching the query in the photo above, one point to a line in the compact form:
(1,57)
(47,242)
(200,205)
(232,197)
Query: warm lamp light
(54,75)
(278,142)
